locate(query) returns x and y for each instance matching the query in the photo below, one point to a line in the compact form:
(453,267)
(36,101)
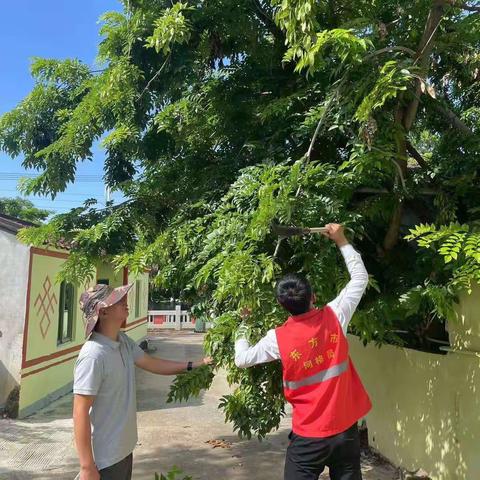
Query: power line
(77,180)
(63,200)
(50,202)
(52,205)
(10,177)
(14,175)
(86,195)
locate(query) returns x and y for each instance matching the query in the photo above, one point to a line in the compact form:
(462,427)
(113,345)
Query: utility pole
(107,194)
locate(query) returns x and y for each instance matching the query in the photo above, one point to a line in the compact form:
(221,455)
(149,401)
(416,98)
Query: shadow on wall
(426,408)
(435,419)
(9,391)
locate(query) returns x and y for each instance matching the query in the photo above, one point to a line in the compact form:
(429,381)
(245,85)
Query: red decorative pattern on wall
(44,304)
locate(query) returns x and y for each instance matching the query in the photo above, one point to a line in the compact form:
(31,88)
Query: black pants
(120,471)
(307,457)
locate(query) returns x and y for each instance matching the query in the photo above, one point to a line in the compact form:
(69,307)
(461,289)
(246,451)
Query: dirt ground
(192,435)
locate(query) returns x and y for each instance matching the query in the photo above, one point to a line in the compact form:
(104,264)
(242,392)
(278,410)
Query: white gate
(177,319)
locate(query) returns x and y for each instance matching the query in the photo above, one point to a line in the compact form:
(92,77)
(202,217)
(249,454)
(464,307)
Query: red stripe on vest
(319,378)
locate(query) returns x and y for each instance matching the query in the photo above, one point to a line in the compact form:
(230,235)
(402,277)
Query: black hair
(294,293)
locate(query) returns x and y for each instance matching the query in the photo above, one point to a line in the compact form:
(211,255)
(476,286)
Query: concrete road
(41,447)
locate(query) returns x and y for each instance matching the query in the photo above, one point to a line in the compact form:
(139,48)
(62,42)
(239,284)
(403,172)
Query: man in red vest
(319,379)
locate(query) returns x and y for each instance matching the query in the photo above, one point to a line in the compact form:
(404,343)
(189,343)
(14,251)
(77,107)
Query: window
(66,313)
(137,298)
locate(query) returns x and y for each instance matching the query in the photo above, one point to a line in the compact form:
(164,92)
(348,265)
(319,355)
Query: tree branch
(381,191)
(404,118)
(392,235)
(397,48)
(393,22)
(452,118)
(424,50)
(309,153)
(154,77)
(319,126)
(416,155)
(267,20)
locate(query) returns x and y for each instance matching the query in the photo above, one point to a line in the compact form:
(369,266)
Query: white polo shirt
(106,369)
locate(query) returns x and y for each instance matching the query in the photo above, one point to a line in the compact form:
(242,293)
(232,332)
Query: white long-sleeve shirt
(344,305)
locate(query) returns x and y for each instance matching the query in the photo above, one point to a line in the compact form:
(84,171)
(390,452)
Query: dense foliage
(22,208)
(220,117)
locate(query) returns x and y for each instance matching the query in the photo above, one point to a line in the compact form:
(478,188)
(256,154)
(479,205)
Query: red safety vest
(319,378)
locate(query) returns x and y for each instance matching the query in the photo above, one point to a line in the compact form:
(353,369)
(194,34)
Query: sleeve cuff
(138,354)
(84,391)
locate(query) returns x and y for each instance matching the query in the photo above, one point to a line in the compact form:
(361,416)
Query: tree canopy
(23,209)
(219,118)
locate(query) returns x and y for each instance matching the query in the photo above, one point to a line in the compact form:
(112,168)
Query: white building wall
(14,266)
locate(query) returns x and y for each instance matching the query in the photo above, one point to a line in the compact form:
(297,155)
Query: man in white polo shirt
(104,409)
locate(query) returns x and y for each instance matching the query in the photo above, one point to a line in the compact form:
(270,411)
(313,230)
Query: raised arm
(345,304)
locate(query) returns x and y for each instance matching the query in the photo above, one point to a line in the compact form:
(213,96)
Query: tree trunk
(405,117)
(392,235)
(424,51)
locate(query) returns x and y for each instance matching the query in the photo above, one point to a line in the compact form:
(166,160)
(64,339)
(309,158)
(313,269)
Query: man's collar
(104,340)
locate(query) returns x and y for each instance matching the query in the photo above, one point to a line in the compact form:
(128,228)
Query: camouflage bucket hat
(97,297)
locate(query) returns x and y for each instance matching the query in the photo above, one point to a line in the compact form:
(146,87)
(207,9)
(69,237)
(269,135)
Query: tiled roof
(12,224)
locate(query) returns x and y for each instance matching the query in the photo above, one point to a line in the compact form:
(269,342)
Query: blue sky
(51,29)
